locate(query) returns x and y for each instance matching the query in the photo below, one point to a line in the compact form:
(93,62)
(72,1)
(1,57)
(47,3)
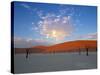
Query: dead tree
(27,53)
(87,51)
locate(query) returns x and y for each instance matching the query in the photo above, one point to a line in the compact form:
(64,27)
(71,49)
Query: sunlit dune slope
(73,46)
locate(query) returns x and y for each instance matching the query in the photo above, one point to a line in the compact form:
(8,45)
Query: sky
(48,24)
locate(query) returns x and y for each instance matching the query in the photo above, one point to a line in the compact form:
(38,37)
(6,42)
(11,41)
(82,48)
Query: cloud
(91,36)
(26,6)
(61,26)
(40,13)
(29,8)
(32,23)
(28,42)
(55,26)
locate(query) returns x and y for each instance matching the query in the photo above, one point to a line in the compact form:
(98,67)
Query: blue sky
(47,24)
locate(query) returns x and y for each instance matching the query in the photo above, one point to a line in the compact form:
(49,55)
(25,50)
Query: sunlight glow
(54,33)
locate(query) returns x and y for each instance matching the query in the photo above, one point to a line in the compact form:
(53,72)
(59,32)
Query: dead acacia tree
(87,50)
(27,53)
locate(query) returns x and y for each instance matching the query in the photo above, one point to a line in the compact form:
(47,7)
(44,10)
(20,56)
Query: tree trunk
(27,53)
(87,52)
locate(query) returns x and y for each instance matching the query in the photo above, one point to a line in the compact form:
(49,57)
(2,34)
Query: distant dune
(72,46)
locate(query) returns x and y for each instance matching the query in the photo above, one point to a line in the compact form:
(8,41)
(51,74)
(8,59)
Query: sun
(54,33)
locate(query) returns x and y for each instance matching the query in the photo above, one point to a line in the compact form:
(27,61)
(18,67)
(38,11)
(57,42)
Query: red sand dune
(40,47)
(71,46)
